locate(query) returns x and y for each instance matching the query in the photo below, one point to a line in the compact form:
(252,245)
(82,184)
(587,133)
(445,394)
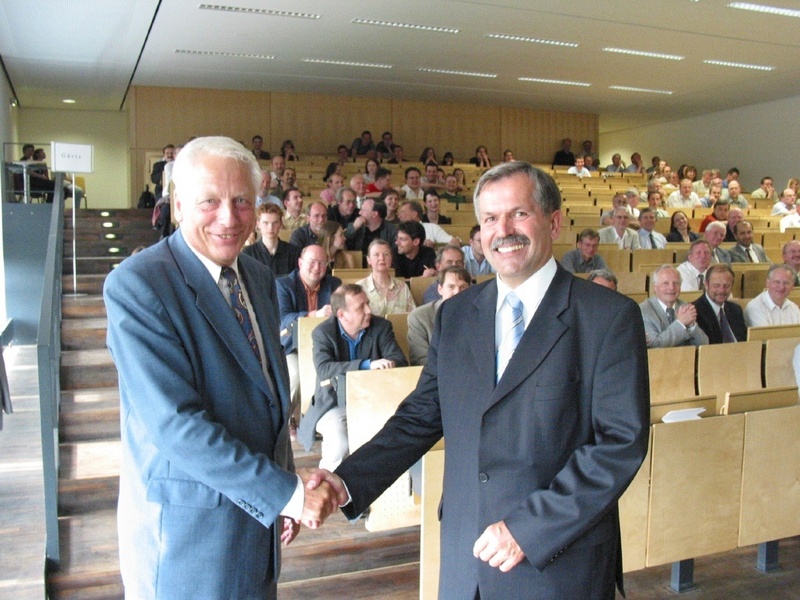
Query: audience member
(584,258)
(564,157)
(669,321)
(450,192)
(693,269)
(649,238)
(288,152)
(281,257)
(431,179)
(636,165)
(786,205)
(331,238)
(735,214)
(719,213)
(679,229)
(702,185)
(412,258)
(451,281)
(307,234)
(588,163)
(587,149)
(392,200)
(474,259)
(604,277)
(432,205)
(397,155)
(578,168)
(260,154)
(363,145)
(385,148)
(278,166)
(791,257)
(343,154)
(481,158)
(618,201)
(370,225)
(413,186)
(156,176)
(508,156)
(371,167)
(683,197)
(772,306)
(386,294)
(616,166)
(446,256)
(264,195)
(721,320)
(334,182)
(428,156)
(411,210)
(359,187)
(383,181)
(735,196)
(765,190)
(713,196)
(715,235)
(448,159)
(745,249)
(344,211)
(618,232)
(293,217)
(351,340)
(655,202)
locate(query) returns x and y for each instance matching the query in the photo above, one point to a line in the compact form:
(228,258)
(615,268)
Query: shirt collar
(531,291)
(344,334)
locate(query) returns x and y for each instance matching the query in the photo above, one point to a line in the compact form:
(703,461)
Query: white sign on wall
(72,158)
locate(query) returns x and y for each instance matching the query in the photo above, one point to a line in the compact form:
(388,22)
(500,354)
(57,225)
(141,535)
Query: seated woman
(481,158)
(370,171)
(331,238)
(679,229)
(334,180)
(448,159)
(386,294)
(428,155)
(391,198)
(461,180)
(287,151)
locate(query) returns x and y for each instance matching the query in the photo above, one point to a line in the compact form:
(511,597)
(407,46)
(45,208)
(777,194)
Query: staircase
(339,560)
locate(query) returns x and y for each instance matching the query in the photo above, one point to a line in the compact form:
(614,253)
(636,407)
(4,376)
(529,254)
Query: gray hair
(661,269)
(781,267)
(217,146)
(545,191)
(603,274)
(716,225)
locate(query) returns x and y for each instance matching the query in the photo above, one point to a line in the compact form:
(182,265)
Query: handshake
(324,494)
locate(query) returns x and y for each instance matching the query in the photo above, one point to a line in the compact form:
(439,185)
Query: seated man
(649,238)
(791,257)
(431,179)
(447,256)
(668,321)
(620,200)
(411,210)
(474,259)
(307,234)
(564,157)
(363,145)
(350,340)
(765,190)
(616,165)
(772,306)
(411,257)
(719,213)
(636,165)
(258,143)
(413,185)
(371,224)
(713,196)
(306,291)
(344,211)
(605,278)
(584,258)
(721,320)
(450,192)
(383,181)
(432,205)
(278,166)
(578,168)
(281,257)
(618,232)
(785,206)
(265,192)
(385,147)
(397,155)
(293,216)
(359,186)
(684,197)
(745,249)
(735,195)
(735,214)
(715,235)
(694,268)
(452,280)
(702,186)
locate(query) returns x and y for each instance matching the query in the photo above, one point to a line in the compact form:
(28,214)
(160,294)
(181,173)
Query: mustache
(511,240)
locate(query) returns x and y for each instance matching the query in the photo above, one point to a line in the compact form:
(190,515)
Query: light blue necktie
(512,335)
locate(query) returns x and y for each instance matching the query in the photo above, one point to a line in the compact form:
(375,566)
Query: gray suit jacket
(738,254)
(206,460)
(533,449)
(663,334)
(630,240)
(420,331)
(720,255)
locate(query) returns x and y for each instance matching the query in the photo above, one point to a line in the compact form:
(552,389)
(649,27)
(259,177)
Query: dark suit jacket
(709,323)
(156,176)
(549,449)
(294,304)
(206,458)
(332,358)
(282,263)
(738,254)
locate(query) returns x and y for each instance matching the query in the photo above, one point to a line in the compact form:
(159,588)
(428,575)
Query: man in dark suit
(722,321)
(538,452)
(351,340)
(745,249)
(157,175)
(207,489)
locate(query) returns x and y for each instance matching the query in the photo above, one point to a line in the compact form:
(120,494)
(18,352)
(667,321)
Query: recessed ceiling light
(770,10)
(225,54)
(259,11)
(626,88)
(346,63)
(447,72)
(554,81)
(643,53)
(724,63)
(68,101)
(519,38)
(405,26)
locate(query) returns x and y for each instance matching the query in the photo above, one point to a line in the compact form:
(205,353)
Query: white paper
(685,414)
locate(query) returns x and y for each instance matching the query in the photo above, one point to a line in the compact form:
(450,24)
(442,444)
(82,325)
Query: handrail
(48,351)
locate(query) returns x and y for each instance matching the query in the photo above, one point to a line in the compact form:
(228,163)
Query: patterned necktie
(671,315)
(727,334)
(512,335)
(240,308)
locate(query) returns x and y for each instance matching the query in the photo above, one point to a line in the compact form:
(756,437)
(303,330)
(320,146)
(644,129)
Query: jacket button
(483,477)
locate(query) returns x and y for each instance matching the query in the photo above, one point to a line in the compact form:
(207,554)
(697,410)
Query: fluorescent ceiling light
(225,54)
(259,11)
(346,63)
(404,26)
(554,81)
(519,38)
(770,10)
(724,63)
(68,101)
(626,88)
(646,54)
(447,72)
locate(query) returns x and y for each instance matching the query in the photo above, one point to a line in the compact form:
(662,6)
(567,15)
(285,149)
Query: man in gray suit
(669,321)
(618,232)
(207,489)
(745,249)
(452,280)
(715,235)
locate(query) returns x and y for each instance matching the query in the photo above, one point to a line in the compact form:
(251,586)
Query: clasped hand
(324,494)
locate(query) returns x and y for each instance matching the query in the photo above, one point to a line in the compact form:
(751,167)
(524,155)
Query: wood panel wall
(318,123)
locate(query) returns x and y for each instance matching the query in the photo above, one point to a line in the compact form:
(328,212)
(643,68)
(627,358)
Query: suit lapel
(215,309)
(482,340)
(544,330)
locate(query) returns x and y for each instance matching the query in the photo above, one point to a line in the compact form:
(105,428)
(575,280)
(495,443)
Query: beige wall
(109,185)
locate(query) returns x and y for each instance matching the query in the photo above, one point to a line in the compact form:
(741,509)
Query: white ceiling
(89,50)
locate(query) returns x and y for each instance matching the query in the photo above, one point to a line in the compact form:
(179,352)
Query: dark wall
(25,231)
